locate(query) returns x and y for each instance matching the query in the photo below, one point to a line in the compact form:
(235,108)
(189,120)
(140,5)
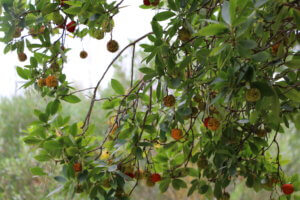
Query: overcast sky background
(131,23)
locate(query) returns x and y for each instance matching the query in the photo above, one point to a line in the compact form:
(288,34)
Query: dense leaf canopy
(221,83)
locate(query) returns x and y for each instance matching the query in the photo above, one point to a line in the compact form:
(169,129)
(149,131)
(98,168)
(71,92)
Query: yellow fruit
(253,95)
(41,82)
(105,155)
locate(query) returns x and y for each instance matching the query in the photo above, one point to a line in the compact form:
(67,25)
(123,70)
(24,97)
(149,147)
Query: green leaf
(31,140)
(42,157)
(226,12)
(192,189)
(261,56)
(164,185)
(54,106)
(37,171)
(23,73)
(52,145)
(248,44)
(117,86)
(259,3)
(162,16)
(232,10)
(217,50)
(147,70)
(43,117)
(275,108)
(157,29)
(73,10)
(71,99)
(203,189)
(213,29)
(72,151)
(33,62)
(218,190)
(178,183)
(294,63)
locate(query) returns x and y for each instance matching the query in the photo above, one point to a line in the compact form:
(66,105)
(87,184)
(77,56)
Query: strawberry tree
(220,86)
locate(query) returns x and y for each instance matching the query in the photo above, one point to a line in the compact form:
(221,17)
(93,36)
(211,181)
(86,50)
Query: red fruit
(205,121)
(147,2)
(131,175)
(287,188)
(77,167)
(155,177)
(71,26)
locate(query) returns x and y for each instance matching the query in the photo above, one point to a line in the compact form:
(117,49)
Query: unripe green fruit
(98,34)
(184,35)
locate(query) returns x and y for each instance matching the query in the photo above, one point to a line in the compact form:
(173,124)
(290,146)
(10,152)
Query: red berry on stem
(71,26)
(131,175)
(287,188)
(155,178)
(205,121)
(147,2)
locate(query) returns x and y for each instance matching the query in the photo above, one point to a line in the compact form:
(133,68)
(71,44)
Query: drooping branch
(87,118)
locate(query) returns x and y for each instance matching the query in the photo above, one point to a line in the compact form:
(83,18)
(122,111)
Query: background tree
(223,83)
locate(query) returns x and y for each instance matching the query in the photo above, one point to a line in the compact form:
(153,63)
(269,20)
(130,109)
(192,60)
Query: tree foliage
(222,79)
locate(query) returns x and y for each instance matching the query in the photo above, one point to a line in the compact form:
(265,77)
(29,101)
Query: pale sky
(131,23)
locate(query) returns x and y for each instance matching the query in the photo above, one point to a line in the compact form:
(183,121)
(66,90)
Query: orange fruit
(51,81)
(176,134)
(77,167)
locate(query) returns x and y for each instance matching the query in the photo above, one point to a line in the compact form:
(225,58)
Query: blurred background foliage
(16,159)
